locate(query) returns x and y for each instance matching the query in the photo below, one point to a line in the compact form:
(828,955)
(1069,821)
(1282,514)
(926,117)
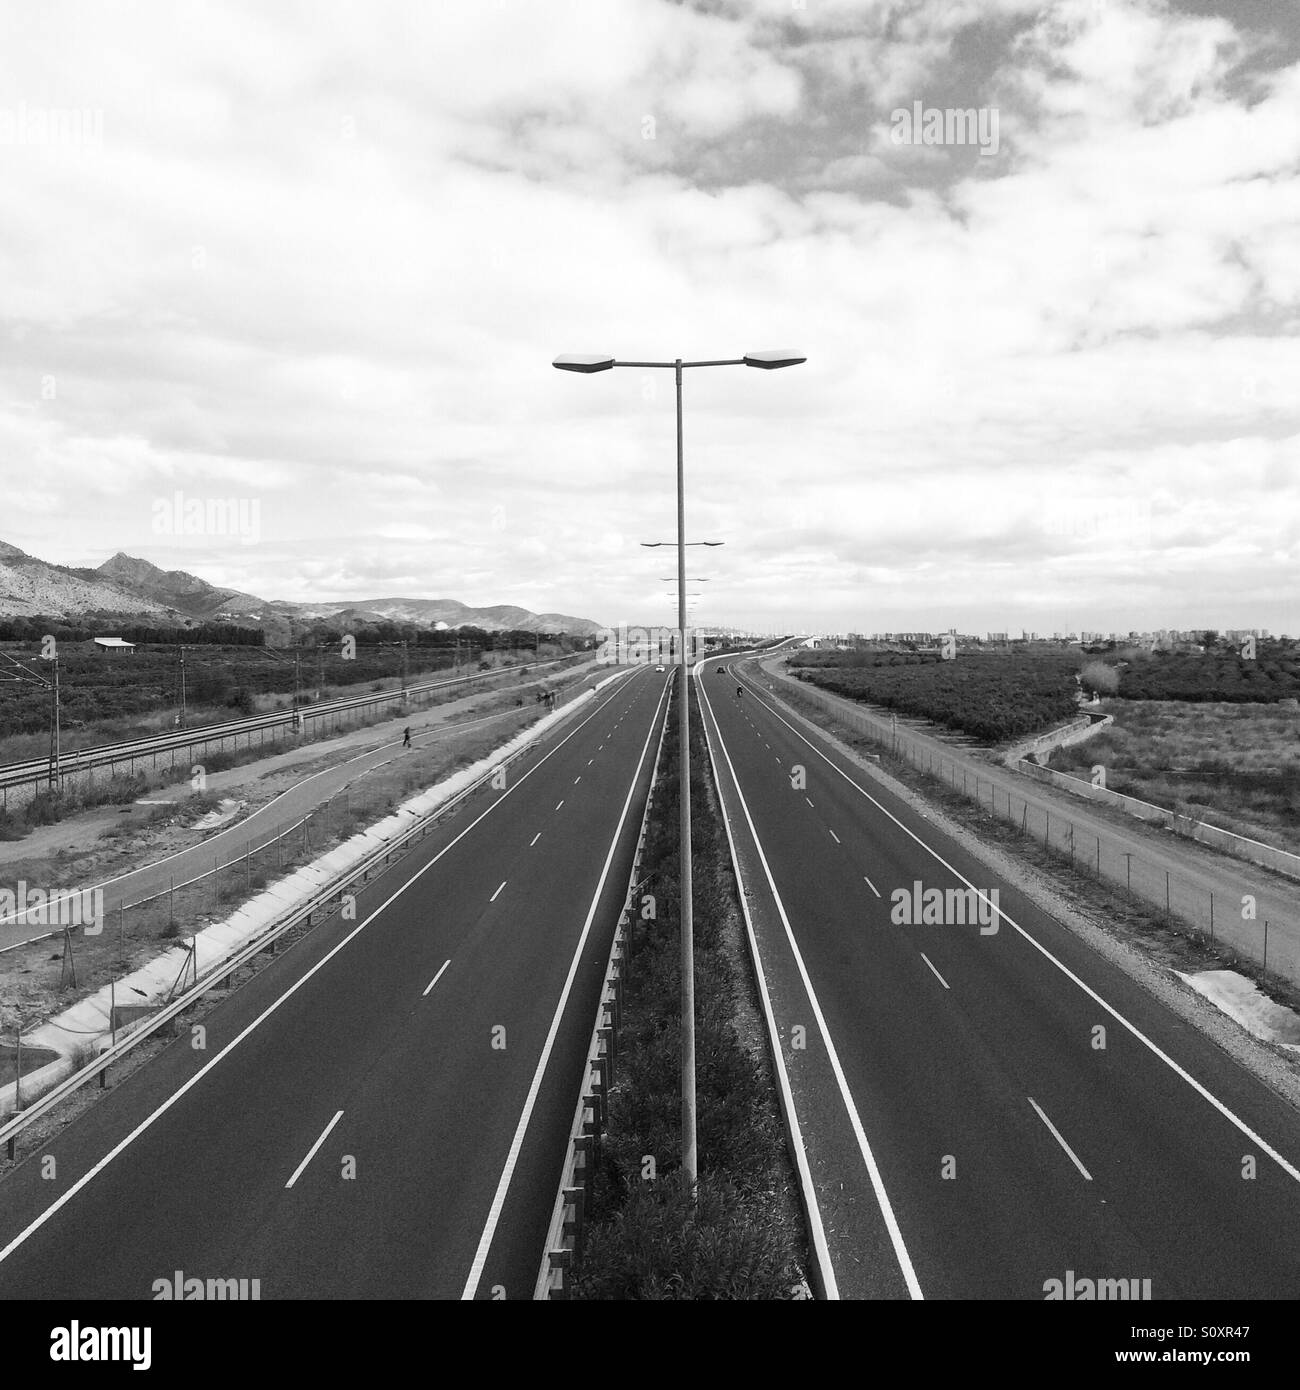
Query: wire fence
(1220,903)
(237,871)
(120,774)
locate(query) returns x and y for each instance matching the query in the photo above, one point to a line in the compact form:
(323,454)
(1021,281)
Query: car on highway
(659,668)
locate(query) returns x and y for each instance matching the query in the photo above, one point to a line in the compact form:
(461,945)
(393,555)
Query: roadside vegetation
(1233,765)
(643,1239)
(991,698)
(109,697)
(37,982)
(996,697)
(122,788)
(1167,939)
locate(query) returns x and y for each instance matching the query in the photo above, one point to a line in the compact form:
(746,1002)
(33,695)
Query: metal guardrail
(277,836)
(300,915)
(563,1248)
(35,771)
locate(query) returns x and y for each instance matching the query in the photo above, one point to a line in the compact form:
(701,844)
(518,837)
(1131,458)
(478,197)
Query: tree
(1099,679)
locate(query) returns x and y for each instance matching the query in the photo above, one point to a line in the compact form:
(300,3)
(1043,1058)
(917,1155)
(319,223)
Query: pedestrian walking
(406,737)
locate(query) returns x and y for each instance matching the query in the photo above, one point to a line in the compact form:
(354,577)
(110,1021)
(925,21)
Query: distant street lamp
(588,363)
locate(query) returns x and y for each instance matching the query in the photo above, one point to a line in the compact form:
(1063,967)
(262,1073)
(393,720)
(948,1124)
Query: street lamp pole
(689,1155)
(587,364)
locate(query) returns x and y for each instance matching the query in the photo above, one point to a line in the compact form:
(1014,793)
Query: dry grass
(1236,766)
(31,981)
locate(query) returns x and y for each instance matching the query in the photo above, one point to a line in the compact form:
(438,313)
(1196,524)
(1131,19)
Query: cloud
(324,260)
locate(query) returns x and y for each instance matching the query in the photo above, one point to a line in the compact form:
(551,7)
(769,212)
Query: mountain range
(130,587)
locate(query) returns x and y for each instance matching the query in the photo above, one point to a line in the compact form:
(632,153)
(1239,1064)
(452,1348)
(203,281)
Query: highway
(382,1111)
(350,757)
(982,1111)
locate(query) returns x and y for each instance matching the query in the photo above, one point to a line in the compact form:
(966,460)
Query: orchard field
(999,696)
(991,698)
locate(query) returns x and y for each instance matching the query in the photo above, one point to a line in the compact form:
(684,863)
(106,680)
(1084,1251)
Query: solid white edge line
(435,980)
(311,1153)
(1060,1139)
(1179,1071)
(811,1207)
(13,918)
(516,1144)
(937,976)
(61,1201)
(868,1157)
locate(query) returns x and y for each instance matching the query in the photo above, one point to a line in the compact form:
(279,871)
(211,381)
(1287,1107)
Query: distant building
(113,644)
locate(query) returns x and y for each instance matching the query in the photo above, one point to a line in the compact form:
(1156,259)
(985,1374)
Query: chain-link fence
(239,868)
(1219,901)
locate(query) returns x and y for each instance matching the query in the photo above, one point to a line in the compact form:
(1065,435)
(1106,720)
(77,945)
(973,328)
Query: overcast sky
(317,258)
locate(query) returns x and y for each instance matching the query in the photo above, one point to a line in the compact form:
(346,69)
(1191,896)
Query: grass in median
(642,1240)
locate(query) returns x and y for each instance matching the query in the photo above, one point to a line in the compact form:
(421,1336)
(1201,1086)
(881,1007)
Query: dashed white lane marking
(871,885)
(937,976)
(1056,1134)
(535,839)
(512,1157)
(577,779)
(311,1153)
(810,803)
(559,803)
(834,836)
(435,979)
(590,761)
(1182,1073)
(497,894)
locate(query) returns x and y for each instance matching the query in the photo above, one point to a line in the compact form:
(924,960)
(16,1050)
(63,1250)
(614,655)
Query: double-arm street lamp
(767,361)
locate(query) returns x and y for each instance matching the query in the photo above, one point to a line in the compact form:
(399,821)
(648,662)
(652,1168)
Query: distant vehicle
(659,668)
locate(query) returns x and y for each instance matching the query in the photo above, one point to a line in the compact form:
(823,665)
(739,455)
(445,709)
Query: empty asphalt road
(383,1111)
(985,1106)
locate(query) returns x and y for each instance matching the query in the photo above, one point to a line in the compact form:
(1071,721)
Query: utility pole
(56,771)
(181,720)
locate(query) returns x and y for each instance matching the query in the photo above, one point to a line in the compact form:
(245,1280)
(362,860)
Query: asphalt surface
(970,1133)
(448,1024)
(350,756)
(1147,859)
